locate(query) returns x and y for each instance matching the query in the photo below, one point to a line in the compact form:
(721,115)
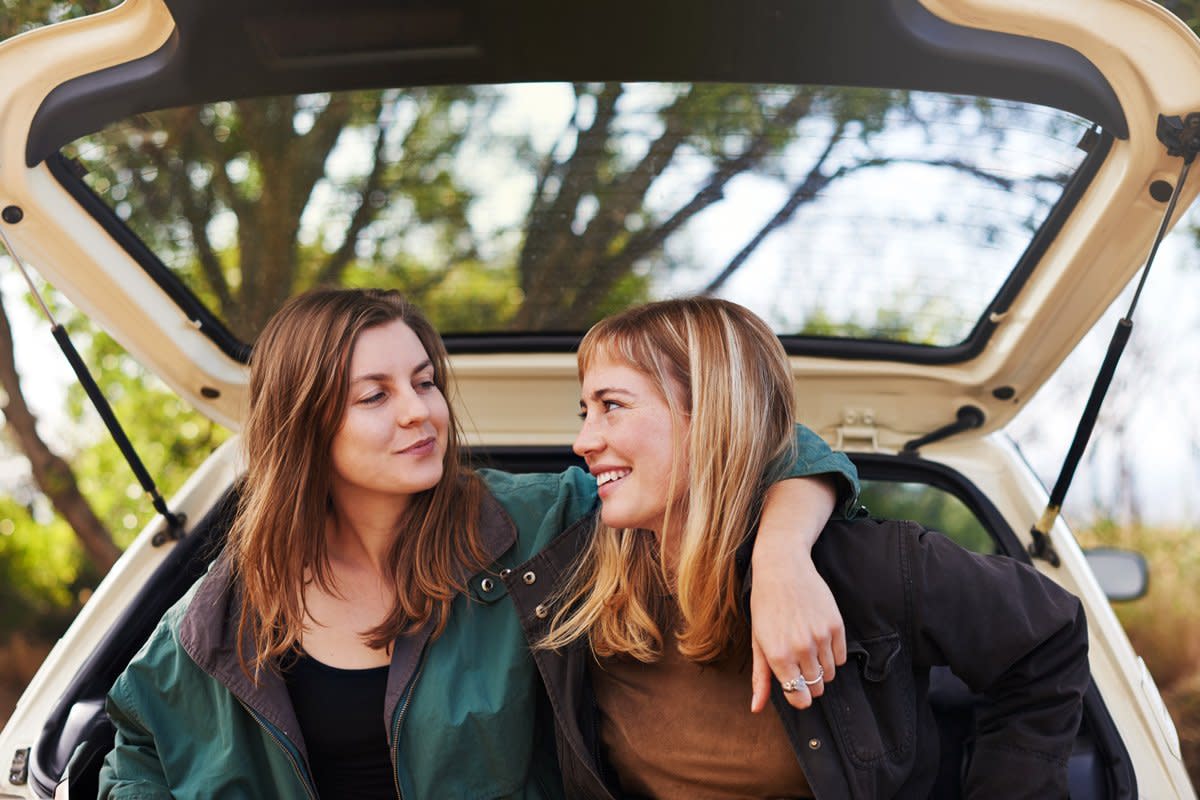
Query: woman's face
(393,435)
(629,439)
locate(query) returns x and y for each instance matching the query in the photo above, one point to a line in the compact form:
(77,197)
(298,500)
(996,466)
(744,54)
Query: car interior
(78,734)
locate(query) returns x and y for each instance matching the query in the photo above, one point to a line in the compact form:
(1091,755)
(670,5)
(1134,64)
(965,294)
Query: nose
(411,410)
(589,440)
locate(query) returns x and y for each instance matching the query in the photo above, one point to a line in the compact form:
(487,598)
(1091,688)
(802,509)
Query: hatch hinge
(18,771)
(1181,135)
(966,418)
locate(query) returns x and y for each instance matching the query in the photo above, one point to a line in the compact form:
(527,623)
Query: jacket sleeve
(131,770)
(1019,639)
(814,457)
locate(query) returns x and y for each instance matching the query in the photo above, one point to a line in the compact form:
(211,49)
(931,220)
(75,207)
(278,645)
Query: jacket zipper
(396,730)
(309,789)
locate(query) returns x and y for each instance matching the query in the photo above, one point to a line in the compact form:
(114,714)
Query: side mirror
(1122,574)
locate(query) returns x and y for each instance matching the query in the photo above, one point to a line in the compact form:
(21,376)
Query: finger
(815,673)
(828,662)
(839,646)
(786,668)
(804,693)
(826,659)
(760,679)
(801,698)
(828,669)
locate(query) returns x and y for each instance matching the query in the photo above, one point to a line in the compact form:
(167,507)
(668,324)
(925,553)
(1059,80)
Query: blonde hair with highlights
(299,383)
(722,370)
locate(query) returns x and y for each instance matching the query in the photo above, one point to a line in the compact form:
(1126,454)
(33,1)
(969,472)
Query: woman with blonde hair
(687,408)
(355,639)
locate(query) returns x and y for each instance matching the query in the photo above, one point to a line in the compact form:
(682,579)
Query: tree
(51,472)
(251,201)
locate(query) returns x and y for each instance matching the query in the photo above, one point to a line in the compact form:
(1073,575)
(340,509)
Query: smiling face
(393,435)
(629,438)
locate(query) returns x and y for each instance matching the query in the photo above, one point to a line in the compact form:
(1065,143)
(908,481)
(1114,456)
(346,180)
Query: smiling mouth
(611,476)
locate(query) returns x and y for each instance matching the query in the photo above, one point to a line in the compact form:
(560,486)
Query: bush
(1163,625)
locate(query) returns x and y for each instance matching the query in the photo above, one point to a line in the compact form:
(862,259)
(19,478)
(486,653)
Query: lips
(421,448)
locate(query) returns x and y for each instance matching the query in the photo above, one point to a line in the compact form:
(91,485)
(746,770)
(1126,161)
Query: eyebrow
(599,394)
(381,377)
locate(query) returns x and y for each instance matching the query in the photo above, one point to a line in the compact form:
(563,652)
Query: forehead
(389,348)
(605,372)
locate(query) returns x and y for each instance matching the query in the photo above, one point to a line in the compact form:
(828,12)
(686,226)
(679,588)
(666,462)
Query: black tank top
(341,718)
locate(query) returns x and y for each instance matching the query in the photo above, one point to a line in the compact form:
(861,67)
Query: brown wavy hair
(299,382)
(733,384)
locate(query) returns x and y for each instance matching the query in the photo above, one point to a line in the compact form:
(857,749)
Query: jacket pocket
(873,700)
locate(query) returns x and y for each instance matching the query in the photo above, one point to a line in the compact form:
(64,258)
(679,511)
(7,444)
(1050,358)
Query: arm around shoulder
(815,458)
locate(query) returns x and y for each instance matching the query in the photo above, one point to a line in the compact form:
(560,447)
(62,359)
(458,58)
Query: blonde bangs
(735,390)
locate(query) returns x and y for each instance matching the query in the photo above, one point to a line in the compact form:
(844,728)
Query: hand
(797,632)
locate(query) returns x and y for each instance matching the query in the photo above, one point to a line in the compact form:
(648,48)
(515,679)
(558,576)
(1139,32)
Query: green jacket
(461,711)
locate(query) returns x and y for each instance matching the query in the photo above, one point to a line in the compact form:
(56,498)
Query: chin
(619,520)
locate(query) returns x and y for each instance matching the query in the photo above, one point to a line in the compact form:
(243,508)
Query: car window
(543,207)
(934,508)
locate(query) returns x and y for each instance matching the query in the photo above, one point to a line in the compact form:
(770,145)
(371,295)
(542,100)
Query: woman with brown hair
(355,638)
(686,405)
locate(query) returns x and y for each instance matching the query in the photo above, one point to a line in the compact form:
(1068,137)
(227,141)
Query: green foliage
(171,438)
(41,571)
(1162,625)
(19,16)
(934,508)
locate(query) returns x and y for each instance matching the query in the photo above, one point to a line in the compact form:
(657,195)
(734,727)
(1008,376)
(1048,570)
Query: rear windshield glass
(868,214)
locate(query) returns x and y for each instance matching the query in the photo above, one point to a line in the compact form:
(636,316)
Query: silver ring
(794,684)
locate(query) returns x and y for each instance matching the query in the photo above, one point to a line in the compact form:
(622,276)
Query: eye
(611,405)
(425,384)
(371,399)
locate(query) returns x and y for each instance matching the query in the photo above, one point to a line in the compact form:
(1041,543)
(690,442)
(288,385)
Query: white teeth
(609,477)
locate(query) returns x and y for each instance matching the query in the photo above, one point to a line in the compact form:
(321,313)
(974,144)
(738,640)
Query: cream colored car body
(1152,61)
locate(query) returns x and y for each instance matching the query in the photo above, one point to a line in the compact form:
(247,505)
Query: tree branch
(620,197)
(815,182)
(306,155)
(332,270)
(789,115)
(808,189)
(51,473)
(197,219)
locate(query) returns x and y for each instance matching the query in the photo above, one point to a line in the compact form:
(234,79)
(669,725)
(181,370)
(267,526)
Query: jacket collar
(497,534)
(209,629)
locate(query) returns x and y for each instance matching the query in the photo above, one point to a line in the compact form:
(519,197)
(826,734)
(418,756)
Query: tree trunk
(52,474)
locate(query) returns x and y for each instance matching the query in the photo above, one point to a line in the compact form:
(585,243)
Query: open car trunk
(789,156)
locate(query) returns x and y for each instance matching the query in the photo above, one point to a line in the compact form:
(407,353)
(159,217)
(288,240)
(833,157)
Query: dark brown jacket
(911,600)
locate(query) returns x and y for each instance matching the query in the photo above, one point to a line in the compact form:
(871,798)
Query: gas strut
(175,522)
(1182,138)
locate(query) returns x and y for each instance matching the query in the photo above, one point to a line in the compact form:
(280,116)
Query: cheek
(439,414)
